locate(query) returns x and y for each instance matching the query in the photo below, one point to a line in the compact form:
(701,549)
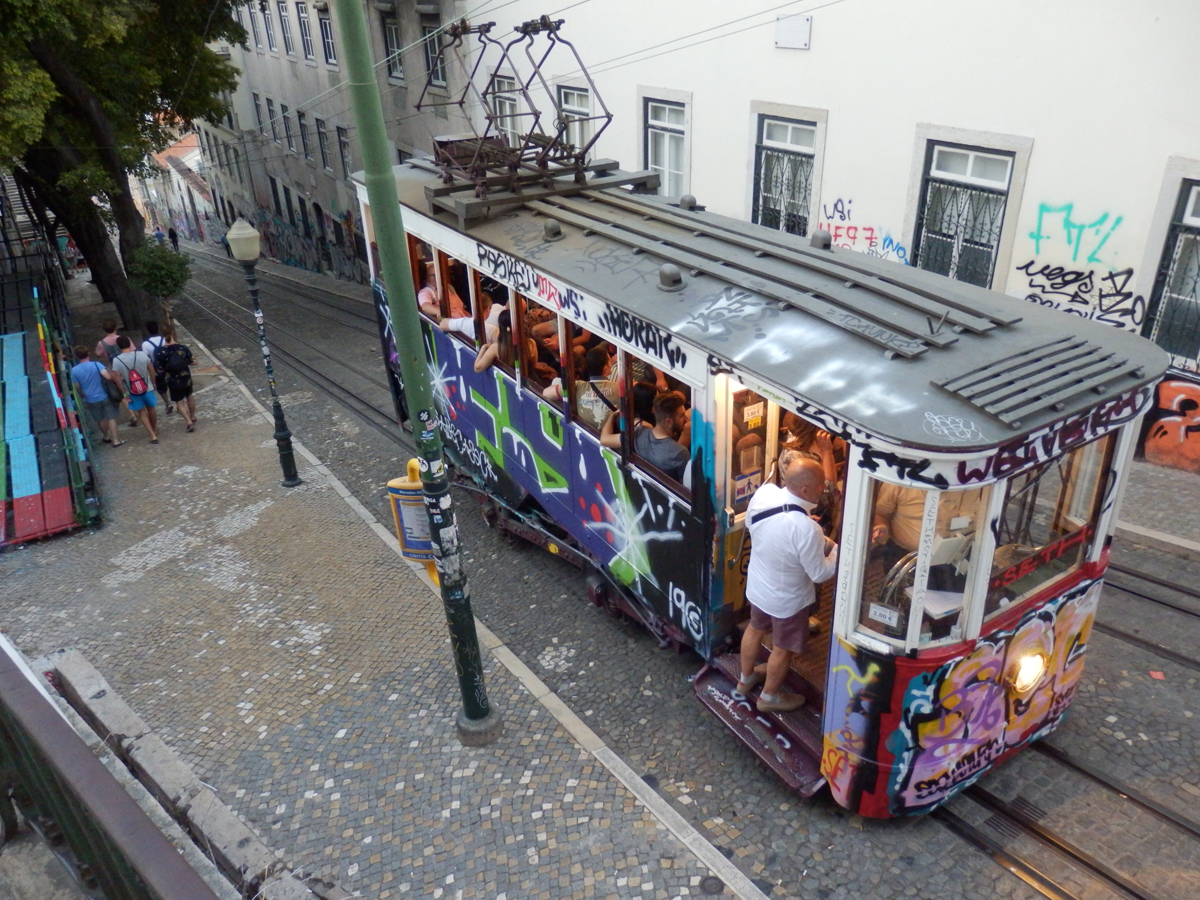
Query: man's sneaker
(746,685)
(785,702)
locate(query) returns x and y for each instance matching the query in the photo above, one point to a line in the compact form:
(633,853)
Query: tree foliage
(88,88)
(159,270)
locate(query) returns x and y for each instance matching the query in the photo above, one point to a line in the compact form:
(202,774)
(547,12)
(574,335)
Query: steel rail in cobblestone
(1121,789)
(1149,646)
(1081,858)
(311,374)
(1161,582)
(55,778)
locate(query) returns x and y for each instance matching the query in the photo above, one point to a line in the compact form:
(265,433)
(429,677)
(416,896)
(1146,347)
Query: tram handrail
(51,774)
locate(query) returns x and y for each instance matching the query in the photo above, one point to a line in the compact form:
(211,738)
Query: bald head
(802,476)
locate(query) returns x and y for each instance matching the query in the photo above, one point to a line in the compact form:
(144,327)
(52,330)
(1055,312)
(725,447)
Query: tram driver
(790,555)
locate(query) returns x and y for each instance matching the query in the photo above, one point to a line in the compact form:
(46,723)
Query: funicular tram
(988,434)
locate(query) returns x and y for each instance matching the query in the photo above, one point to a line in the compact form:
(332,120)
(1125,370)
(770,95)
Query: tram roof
(898,351)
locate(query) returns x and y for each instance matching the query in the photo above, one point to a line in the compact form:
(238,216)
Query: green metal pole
(477,722)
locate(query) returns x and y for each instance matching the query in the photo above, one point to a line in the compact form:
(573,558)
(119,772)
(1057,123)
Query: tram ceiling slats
(970,299)
(834,269)
(1018,393)
(1027,373)
(899,341)
(858,301)
(1013,416)
(1007,365)
(687,252)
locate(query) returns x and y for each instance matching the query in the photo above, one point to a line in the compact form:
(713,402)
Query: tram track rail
(381,420)
(1140,591)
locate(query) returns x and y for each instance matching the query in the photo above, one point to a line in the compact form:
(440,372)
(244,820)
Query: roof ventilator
(821,239)
(552,231)
(670,278)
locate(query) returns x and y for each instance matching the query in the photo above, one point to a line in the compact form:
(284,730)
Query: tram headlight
(1028,672)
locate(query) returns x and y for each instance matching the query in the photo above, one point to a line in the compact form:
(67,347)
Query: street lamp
(243,242)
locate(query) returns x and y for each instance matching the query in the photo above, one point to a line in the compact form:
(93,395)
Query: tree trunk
(82,219)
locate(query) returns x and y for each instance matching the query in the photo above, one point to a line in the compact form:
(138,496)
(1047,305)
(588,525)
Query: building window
(237,162)
(271,120)
(269,28)
(327,40)
(963,196)
(1174,319)
(504,105)
(287,126)
(391,47)
(285,29)
(306,42)
(576,107)
(254,27)
(666,131)
(323,143)
(343,137)
(287,201)
(258,116)
(275,195)
(435,67)
(783,171)
(302,122)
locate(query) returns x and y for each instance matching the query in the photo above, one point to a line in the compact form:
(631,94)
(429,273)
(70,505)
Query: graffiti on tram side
(1101,298)
(506,268)
(1057,438)
(643,336)
(519,446)
(1172,429)
(959,719)
(857,695)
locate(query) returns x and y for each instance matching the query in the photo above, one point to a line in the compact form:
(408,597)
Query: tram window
(592,387)
(749,453)
(490,299)
(660,438)
(901,564)
(420,255)
(538,341)
(455,298)
(1047,523)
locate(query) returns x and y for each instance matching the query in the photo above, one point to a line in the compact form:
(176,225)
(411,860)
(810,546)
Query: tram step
(762,733)
(803,724)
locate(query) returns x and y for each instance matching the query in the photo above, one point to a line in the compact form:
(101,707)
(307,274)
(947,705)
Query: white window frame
(323,144)
(328,47)
(284,113)
(305,24)
(650,98)
(258,115)
(505,106)
(285,29)
(972,155)
(392,45)
(343,139)
(269,28)
(305,142)
(430,33)
(271,121)
(577,133)
(1191,214)
(254,28)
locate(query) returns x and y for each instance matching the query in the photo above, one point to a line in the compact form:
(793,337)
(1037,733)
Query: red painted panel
(59,507)
(28,517)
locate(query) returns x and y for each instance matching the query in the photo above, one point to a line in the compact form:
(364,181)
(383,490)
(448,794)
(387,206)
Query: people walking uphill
(107,351)
(175,361)
(790,556)
(173,237)
(90,376)
(158,235)
(137,374)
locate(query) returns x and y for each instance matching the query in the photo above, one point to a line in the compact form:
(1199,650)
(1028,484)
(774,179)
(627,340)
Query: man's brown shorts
(790,633)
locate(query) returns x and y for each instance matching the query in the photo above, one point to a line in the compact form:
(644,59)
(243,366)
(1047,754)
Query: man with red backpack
(136,370)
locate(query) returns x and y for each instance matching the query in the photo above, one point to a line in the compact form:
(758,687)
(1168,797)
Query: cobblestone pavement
(298,664)
(637,697)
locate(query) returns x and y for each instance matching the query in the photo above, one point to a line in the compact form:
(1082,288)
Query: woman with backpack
(175,361)
(137,372)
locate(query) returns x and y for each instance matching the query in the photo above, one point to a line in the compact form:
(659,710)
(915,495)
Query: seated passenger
(596,396)
(501,348)
(430,303)
(658,445)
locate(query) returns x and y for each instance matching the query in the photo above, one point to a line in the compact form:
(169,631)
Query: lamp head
(243,241)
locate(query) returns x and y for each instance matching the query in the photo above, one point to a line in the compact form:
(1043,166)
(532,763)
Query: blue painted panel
(22,460)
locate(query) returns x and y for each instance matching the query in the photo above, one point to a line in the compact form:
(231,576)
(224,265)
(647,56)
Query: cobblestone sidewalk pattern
(302,668)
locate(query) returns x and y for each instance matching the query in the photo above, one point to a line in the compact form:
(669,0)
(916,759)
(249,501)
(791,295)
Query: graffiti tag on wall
(1172,435)
(1084,292)
(1056,224)
(837,219)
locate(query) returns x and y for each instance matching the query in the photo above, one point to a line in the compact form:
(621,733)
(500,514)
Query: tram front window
(921,557)
(1047,523)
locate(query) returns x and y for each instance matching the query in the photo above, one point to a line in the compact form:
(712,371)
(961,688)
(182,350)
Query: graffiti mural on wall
(953,722)
(287,243)
(1172,430)
(838,219)
(1056,226)
(1103,298)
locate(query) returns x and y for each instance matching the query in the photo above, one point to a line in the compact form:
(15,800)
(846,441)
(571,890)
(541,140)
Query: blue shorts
(137,401)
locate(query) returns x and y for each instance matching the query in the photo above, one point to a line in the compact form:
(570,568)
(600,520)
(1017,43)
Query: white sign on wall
(793,32)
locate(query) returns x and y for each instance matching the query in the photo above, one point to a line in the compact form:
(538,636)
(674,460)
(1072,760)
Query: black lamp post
(243,241)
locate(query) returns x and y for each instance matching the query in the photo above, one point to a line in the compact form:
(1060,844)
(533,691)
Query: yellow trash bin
(412,523)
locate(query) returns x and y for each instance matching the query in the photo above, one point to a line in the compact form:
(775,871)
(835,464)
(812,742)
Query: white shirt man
(789,556)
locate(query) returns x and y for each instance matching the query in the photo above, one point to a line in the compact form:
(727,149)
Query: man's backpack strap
(767,513)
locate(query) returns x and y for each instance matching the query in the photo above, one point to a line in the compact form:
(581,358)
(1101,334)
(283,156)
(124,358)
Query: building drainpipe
(478,723)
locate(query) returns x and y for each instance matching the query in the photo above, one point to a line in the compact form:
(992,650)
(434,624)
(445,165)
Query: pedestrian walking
(137,374)
(150,346)
(158,235)
(90,376)
(225,244)
(176,362)
(107,351)
(173,237)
